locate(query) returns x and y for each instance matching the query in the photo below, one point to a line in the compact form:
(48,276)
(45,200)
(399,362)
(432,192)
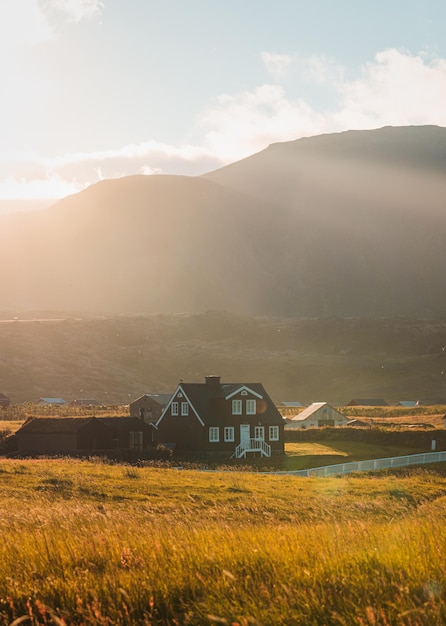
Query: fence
(369,466)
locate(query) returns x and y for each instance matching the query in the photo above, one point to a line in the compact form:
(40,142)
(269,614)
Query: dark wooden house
(226,419)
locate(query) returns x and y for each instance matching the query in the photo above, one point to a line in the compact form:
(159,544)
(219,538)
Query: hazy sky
(95,89)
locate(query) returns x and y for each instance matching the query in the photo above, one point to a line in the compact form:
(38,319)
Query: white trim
(174,395)
(259,430)
(215,430)
(274,429)
(230,431)
(243,388)
(250,400)
(239,404)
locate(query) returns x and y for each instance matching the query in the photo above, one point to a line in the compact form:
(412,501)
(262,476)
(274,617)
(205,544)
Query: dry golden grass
(93,543)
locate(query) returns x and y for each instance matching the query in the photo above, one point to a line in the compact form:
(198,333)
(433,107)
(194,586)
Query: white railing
(253,445)
(369,466)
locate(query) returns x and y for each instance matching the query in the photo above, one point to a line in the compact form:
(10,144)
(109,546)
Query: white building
(317,415)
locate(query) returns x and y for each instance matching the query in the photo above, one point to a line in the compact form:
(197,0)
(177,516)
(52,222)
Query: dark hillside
(117,359)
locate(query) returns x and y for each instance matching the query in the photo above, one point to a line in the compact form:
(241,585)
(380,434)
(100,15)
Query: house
(317,415)
(149,406)
(51,401)
(4,401)
(225,419)
(367,402)
(65,435)
(408,404)
(288,408)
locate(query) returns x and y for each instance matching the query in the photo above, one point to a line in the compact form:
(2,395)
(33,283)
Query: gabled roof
(161,398)
(202,397)
(52,400)
(3,397)
(54,425)
(312,409)
(408,403)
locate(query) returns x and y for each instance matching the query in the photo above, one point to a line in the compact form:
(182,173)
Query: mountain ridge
(346,224)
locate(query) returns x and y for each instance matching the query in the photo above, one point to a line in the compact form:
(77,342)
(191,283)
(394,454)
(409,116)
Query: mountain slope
(117,359)
(351,224)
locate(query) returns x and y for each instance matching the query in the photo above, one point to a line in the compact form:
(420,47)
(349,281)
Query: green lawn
(307,454)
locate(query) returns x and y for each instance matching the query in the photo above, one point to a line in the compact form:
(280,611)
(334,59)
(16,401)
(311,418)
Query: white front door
(244,435)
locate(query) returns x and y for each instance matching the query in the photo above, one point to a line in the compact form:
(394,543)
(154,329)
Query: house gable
(243,390)
(179,397)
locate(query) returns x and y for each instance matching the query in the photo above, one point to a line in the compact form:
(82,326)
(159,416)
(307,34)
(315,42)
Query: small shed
(149,406)
(63,435)
(317,415)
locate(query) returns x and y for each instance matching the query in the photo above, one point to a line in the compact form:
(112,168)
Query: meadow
(88,542)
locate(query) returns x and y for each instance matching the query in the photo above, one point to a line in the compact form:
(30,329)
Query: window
(250,407)
(174,408)
(274,433)
(236,407)
(229,433)
(259,432)
(136,440)
(184,408)
(214,434)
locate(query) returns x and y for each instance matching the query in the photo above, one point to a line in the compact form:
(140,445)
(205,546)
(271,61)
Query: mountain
(348,224)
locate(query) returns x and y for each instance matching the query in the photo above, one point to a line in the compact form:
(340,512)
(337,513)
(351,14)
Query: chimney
(213,381)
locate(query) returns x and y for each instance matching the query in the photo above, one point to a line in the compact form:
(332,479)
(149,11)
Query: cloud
(41,177)
(395,88)
(241,124)
(276,64)
(22,22)
(74,10)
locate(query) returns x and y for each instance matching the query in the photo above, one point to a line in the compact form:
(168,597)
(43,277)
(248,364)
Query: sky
(98,89)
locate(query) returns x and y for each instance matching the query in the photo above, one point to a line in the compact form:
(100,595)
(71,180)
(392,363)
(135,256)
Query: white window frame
(174,408)
(274,433)
(214,434)
(251,407)
(237,407)
(259,433)
(229,433)
(184,408)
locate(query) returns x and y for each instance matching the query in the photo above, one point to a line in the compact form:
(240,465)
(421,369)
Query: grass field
(95,543)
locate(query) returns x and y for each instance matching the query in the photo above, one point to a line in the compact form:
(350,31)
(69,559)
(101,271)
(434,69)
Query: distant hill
(117,359)
(349,224)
